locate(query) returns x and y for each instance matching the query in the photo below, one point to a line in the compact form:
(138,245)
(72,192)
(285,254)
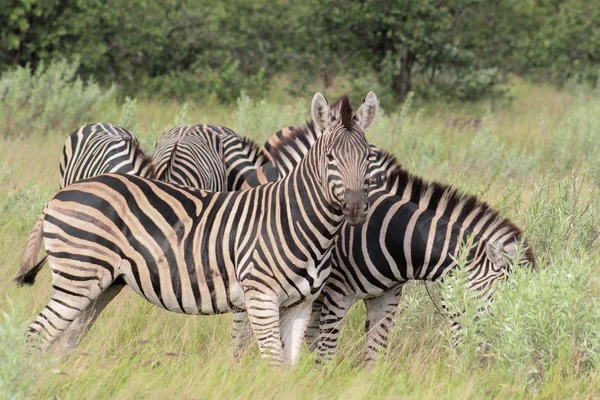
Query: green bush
(259,119)
(17,371)
(546,321)
(128,118)
(52,97)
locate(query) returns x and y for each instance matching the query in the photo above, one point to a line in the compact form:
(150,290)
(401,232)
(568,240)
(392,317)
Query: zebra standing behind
(414,231)
(208,157)
(101,148)
(197,252)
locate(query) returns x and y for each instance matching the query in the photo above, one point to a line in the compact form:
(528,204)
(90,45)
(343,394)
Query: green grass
(535,159)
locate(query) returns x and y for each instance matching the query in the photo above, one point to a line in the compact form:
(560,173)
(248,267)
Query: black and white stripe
(196,252)
(191,156)
(101,148)
(413,231)
(208,157)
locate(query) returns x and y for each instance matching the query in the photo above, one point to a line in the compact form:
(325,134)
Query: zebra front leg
(263,314)
(482,298)
(241,334)
(380,319)
(312,330)
(335,307)
(294,321)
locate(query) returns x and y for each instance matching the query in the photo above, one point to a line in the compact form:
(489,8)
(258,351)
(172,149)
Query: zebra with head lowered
(414,231)
(208,157)
(190,251)
(101,148)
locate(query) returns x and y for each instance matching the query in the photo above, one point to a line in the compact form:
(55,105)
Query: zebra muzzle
(355,207)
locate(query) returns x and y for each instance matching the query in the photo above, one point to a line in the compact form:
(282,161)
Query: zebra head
(500,256)
(495,259)
(346,154)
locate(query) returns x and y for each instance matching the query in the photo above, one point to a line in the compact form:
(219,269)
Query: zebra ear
(320,111)
(494,252)
(366,114)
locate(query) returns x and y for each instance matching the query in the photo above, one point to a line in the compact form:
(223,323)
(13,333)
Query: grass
(533,158)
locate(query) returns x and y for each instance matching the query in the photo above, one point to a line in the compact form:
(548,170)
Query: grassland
(536,158)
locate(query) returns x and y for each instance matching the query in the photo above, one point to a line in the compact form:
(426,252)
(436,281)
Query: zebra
(413,231)
(206,157)
(100,148)
(196,252)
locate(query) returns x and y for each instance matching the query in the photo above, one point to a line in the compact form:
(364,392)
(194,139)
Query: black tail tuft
(28,278)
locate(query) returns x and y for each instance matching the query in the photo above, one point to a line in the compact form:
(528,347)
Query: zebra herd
(287,237)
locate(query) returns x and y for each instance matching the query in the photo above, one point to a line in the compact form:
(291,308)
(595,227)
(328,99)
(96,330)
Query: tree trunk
(327,77)
(403,82)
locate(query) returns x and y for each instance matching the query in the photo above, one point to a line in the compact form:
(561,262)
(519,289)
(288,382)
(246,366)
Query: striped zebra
(101,148)
(196,252)
(413,231)
(206,157)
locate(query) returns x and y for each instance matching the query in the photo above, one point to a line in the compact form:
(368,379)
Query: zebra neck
(306,196)
(424,243)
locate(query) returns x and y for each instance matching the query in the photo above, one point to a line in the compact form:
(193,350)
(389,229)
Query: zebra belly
(205,293)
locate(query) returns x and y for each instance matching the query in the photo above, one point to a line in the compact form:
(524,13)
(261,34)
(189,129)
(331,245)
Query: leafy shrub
(52,97)
(259,119)
(128,119)
(224,84)
(545,321)
(573,143)
(17,372)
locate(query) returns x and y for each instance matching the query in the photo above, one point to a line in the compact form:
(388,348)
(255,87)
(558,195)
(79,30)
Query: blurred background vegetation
(193,49)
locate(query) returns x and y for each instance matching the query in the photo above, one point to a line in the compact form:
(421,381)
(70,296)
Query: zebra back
(191,156)
(100,148)
(207,157)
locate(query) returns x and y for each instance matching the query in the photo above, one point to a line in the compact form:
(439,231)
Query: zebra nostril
(345,207)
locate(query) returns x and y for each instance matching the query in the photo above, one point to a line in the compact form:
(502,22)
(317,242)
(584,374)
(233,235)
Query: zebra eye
(330,157)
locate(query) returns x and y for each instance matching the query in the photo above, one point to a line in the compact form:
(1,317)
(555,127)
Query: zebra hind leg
(82,324)
(71,296)
(380,319)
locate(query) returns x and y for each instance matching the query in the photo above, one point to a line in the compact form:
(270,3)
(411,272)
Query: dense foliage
(192,49)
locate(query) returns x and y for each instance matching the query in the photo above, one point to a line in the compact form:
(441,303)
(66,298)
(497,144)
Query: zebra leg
(69,300)
(335,307)
(380,319)
(455,327)
(485,296)
(294,321)
(241,334)
(263,314)
(82,324)
(312,330)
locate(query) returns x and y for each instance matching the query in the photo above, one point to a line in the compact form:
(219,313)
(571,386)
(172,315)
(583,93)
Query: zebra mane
(288,145)
(397,180)
(147,159)
(345,109)
(254,151)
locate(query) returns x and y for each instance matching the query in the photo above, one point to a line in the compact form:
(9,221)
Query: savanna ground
(537,159)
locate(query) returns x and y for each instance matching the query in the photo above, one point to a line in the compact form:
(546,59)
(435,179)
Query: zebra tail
(31,266)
